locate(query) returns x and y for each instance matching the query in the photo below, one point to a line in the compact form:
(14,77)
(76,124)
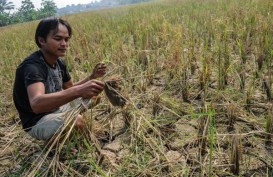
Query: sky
(59,3)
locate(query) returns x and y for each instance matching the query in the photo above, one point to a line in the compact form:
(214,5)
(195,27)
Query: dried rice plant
(128,117)
(203,128)
(112,91)
(156,102)
(267,87)
(58,140)
(184,86)
(203,125)
(269,128)
(235,155)
(260,61)
(231,117)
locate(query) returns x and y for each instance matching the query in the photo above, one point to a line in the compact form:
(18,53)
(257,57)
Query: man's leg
(48,125)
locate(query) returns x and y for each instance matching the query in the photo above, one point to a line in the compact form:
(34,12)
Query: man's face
(56,42)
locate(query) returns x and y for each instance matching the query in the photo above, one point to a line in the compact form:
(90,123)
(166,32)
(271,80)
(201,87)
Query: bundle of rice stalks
(57,142)
(269,128)
(235,155)
(112,91)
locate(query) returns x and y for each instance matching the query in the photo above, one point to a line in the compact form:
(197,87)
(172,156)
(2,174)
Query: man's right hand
(91,88)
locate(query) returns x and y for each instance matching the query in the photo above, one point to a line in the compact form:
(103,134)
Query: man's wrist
(91,77)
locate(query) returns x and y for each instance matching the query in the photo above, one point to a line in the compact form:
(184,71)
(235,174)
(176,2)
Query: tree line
(26,12)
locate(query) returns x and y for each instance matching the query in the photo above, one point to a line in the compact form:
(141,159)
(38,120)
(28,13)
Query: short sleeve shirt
(32,70)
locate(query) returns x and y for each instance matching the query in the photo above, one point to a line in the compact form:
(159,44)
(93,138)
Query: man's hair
(48,24)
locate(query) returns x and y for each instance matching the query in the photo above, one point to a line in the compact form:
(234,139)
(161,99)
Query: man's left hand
(98,71)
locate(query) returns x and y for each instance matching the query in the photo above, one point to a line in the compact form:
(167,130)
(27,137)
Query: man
(43,89)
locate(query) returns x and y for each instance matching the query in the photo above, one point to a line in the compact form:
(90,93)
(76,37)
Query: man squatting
(43,89)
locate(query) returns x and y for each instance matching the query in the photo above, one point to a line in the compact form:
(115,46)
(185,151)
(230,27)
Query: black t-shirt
(35,69)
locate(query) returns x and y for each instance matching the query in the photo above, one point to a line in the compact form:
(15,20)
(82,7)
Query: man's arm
(98,71)
(69,83)
(41,102)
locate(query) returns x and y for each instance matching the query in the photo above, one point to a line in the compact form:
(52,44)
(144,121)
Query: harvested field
(196,77)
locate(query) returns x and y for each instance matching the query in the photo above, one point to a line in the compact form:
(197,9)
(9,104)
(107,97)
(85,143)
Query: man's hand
(91,88)
(98,71)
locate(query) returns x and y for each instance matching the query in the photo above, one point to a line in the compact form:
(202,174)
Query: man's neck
(51,60)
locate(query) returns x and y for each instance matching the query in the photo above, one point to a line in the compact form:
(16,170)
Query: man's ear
(41,40)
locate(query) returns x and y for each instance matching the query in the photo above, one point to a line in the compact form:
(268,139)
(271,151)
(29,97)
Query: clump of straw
(112,91)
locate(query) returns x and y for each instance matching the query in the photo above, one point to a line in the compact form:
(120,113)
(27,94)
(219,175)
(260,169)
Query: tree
(48,8)
(5,16)
(130,1)
(27,11)
(5,5)
(4,19)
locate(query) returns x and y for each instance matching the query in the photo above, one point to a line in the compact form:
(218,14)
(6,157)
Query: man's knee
(79,122)
(47,126)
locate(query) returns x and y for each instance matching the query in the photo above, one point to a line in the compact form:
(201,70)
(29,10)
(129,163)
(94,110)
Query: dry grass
(192,75)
